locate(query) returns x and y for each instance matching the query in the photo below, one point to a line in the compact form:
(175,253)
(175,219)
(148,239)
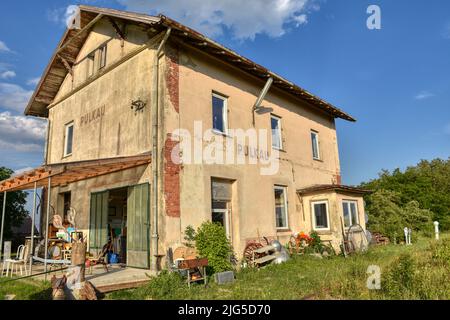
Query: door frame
(127,187)
(149,257)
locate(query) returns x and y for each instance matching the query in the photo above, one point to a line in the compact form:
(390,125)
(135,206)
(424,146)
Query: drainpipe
(47,135)
(3,226)
(155,153)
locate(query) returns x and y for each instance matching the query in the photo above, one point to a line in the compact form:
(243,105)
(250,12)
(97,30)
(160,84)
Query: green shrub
(212,242)
(165,285)
(388,215)
(189,237)
(315,245)
(440,252)
(400,277)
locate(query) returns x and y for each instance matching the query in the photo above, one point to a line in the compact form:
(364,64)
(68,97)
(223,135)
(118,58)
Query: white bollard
(436,229)
(405,230)
(409,236)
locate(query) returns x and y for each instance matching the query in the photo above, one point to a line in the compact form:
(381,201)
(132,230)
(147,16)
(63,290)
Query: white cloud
(62,15)
(7,74)
(423,95)
(4,47)
(244,18)
(14,97)
(22,170)
(20,133)
(33,81)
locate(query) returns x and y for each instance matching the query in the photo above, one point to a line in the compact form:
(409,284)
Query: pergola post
(33,215)
(46,226)
(3,225)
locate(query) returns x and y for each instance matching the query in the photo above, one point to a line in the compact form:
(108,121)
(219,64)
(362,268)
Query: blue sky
(395,81)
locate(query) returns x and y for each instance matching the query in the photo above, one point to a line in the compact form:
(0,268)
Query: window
(281,207)
(221,193)
(275,123)
(102,56)
(320,215)
(315,145)
(350,211)
(68,139)
(219,111)
(90,65)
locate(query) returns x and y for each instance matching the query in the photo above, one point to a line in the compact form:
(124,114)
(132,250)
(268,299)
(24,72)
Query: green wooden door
(138,226)
(98,223)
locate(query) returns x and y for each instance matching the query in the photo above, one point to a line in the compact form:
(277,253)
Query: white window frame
(226,216)
(90,60)
(66,137)
(285,190)
(313,132)
(357,212)
(102,56)
(313,213)
(224,113)
(280,137)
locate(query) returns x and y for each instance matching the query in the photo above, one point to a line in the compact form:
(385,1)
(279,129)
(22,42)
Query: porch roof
(333,187)
(68,172)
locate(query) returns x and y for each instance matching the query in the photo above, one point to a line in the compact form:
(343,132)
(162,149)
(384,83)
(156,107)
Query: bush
(399,280)
(388,216)
(211,242)
(315,245)
(165,285)
(440,252)
(189,237)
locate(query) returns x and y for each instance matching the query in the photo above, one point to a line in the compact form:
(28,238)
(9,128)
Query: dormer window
(90,65)
(102,56)
(68,139)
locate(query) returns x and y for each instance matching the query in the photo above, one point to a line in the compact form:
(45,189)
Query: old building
(131,100)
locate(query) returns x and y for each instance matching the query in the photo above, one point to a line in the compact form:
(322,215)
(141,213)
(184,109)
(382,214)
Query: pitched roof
(72,41)
(333,187)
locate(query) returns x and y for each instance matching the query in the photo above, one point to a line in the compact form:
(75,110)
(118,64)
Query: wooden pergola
(61,174)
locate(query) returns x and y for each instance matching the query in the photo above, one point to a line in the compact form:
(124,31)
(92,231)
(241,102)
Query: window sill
(283,230)
(66,156)
(318,159)
(279,150)
(220,133)
(323,231)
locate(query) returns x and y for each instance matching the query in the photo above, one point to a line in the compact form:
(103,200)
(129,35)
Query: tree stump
(78,258)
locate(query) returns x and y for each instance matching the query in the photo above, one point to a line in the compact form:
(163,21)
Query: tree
(388,216)
(15,206)
(427,184)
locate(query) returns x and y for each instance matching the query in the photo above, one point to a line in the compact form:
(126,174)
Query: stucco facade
(99,105)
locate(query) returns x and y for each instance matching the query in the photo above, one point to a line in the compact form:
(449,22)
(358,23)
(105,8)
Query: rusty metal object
(192,263)
(249,249)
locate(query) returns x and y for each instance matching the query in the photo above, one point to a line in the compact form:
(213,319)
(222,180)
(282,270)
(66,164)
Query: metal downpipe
(155,151)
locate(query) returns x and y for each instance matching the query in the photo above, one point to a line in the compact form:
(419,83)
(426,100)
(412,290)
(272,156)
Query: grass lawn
(420,271)
(25,289)
(307,277)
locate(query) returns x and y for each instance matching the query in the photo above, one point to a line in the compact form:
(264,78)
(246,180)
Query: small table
(196,270)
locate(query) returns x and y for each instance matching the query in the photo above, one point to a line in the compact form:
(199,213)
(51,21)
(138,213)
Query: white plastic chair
(20,263)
